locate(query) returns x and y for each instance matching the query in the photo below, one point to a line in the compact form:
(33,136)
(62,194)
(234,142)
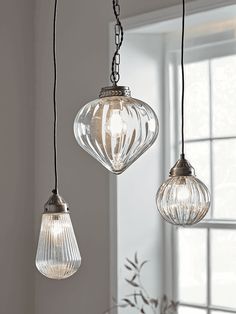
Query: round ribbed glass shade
(58,255)
(116,130)
(183,200)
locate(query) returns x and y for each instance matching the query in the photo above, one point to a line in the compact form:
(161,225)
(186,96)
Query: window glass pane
(192,265)
(223,77)
(224,179)
(198,154)
(190,310)
(197,100)
(223,261)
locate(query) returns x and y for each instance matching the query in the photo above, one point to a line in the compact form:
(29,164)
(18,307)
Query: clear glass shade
(183,200)
(58,255)
(116,130)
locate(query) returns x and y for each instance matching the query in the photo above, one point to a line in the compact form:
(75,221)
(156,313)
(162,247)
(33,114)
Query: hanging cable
(119,37)
(183,77)
(55,191)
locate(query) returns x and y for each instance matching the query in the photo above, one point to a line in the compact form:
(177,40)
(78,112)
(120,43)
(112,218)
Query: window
(199,269)
(206,254)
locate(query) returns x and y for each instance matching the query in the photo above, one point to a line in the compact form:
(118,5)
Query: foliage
(140,298)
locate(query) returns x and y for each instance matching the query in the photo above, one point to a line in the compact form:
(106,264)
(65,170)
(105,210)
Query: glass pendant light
(116,129)
(58,255)
(183,199)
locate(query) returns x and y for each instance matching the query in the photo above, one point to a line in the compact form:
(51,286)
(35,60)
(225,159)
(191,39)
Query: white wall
(139,225)
(17,156)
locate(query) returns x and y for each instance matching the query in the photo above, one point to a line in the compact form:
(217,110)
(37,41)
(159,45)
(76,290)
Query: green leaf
(143,263)
(129,302)
(123,305)
(144,299)
(131,263)
(129,268)
(132,283)
(136,257)
(134,277)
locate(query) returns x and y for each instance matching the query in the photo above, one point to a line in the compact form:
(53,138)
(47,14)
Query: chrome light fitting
(116,129)
(58,255)
(183,199)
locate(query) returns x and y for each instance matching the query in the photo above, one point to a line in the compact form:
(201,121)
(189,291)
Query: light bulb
(183,192)
(116,129)
(116,126)
(58,255)
(183,199)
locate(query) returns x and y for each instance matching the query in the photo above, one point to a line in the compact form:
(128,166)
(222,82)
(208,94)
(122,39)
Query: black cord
(115,75)
(55,191)
(183,76)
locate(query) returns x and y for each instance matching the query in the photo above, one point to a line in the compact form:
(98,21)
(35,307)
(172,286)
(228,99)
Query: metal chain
(119,36)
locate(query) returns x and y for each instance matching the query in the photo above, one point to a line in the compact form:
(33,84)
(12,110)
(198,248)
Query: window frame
(224,48)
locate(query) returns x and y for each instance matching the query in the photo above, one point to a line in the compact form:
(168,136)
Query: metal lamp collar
(115,90)
(56,205)
(182,168)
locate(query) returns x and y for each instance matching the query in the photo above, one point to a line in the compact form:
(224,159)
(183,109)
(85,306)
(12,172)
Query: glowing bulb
(183,193)
(57,226)
(58,255)
(116,126)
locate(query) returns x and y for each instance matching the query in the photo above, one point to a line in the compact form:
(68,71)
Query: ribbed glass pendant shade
(116,130)
(58,255)
(183,199)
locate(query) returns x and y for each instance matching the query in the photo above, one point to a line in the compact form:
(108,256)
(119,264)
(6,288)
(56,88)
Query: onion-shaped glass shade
(183,200)
(116,130)
(58,255)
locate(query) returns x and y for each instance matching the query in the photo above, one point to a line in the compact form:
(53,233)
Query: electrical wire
(55,191)
(183,77)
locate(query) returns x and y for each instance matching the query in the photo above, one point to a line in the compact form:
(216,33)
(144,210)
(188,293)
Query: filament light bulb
(183,193)
(116,126)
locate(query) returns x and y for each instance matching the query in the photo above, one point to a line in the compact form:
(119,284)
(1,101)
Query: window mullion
(211,136)
(208,270)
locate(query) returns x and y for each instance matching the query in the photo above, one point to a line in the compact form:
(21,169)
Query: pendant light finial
(183,199)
